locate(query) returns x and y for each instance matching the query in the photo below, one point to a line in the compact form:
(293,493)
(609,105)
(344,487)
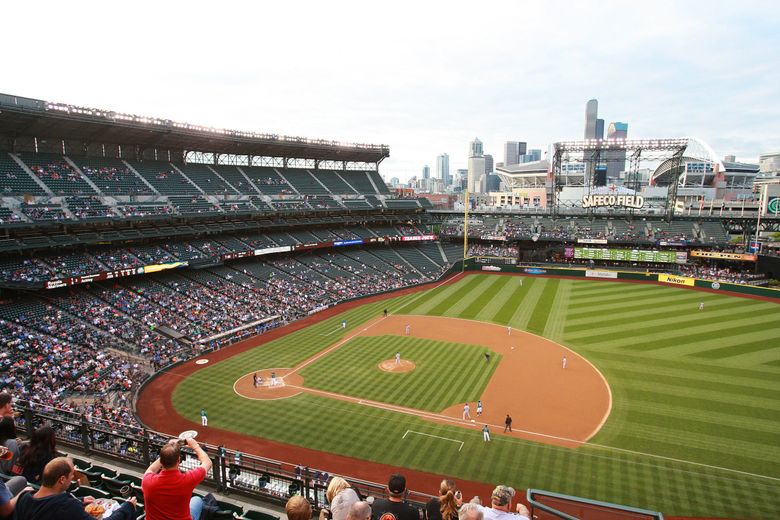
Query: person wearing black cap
(394,507)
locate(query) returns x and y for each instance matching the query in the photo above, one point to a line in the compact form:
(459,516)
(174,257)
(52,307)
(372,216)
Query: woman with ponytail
(446,505)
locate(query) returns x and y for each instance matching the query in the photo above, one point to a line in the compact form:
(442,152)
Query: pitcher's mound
(389,365)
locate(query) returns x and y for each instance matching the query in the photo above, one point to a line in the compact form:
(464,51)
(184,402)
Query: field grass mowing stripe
(460,294)
(541,313)
(639,359)
(704,334)
(647,315)
(713,416)
(477,298)
(503,298)
(735,350)
(556,320)
(429,299)
(690,384)
(486,299)
(523,312)
(685,320)
(746,409)
(520,287)
(582,310)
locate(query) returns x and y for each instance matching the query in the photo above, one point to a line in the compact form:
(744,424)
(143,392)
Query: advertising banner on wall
(677,280)
(590,273)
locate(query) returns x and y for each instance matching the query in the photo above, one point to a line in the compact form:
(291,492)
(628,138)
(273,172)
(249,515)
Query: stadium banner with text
(677,280)
(417,238)
(592,241)
(106,275)
(740,257)
(627,255)
(590,273)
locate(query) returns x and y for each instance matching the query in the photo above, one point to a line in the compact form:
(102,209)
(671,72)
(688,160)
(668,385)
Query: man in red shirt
(168,491)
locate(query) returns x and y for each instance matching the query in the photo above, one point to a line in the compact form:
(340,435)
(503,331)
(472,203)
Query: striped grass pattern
(695,425)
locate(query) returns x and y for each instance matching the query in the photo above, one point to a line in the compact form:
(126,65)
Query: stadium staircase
(236,178)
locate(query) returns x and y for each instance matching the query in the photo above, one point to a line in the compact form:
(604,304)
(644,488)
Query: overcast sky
(422,77)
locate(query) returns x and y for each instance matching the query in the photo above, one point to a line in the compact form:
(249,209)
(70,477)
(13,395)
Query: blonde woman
(446,506)
(340,496)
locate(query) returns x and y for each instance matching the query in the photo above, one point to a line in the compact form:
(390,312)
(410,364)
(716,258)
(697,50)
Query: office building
(476,166)
(488,163)
(426,172)
(615,159)
(513,151)
(591,115)
(443,169)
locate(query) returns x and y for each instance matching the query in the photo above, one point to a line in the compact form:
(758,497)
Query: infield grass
(695,424)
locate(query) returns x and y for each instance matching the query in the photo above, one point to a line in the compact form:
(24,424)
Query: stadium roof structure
(20,116)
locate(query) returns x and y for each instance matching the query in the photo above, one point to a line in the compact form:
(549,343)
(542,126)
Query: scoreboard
(629,255)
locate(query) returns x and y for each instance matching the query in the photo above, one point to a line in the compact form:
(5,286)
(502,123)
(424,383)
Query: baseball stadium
(612,352)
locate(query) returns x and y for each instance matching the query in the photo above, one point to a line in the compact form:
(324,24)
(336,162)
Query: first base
(473,420)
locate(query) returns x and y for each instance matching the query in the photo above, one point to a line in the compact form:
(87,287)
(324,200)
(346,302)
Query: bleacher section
(267,180)
(362,182)
(164,178)
(84,208)
(304,182)
(334,182)
(14,180)
(236,179)
(57,174)
(207,180)
(112,176)
(714,232)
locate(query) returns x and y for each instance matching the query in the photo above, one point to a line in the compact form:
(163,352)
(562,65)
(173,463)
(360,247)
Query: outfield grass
(695,426)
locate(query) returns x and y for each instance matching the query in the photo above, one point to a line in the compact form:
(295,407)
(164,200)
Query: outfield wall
(471,264)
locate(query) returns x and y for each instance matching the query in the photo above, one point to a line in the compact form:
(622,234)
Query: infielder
(204,420)
(479,408)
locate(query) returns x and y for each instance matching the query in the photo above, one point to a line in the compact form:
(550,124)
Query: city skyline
(711,70)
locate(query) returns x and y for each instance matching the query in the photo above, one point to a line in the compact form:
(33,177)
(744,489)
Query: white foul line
(435,436)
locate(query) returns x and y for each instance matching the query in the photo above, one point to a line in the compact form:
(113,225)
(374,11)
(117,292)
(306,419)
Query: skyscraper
(513,150)
(476,166)
(475,148)
(599,129)
(443,169)
(591,115)
(616,159)
(488,163)
(426,172)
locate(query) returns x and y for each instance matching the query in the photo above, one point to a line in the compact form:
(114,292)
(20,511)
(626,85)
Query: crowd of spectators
(56,171)
(724,274)
(89,207)
(119,177)
(511,251)
(44,212)
(144,210)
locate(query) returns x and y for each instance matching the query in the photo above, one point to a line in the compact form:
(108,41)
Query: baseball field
(660,405)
